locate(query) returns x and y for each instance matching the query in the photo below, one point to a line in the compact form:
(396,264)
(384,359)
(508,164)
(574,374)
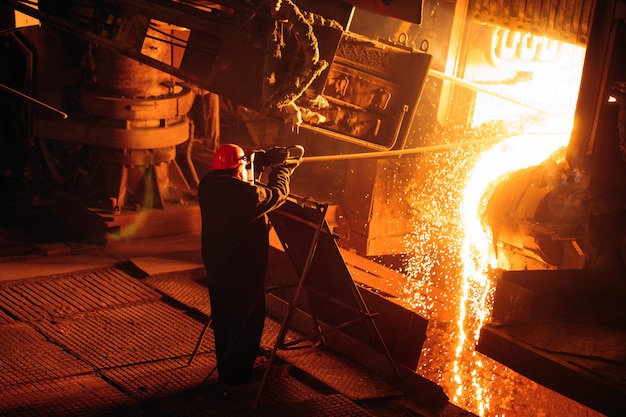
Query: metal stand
(202,333)
(350,300)
(292,306)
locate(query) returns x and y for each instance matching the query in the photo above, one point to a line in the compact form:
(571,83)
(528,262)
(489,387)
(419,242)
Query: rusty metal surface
(133,109)
(188,288)
(84,131)
(378,230)
(583,379)
(371,98)
(597,347)
(146,381)
(5,318)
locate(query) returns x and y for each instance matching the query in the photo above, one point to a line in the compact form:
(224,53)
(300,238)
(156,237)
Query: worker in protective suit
(235,248)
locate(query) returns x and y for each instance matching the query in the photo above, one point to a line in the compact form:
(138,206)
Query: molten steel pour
(478,257)
(450,272)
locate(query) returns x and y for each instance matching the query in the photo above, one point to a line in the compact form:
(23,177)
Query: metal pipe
(32,100)
(399,152)
(293,304)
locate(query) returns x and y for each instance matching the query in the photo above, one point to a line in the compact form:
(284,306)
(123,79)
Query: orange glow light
(478,257)
(450,280)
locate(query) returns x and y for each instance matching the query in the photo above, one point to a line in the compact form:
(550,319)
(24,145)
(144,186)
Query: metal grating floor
(52,297)
(81,395)
(348,379)
(102,343)
(127,335)
(151,380)
(27,357)
(282,386)
(209,400)
(329,406)
(5,318)
(188,288)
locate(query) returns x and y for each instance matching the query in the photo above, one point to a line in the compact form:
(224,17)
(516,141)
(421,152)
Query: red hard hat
(228,156)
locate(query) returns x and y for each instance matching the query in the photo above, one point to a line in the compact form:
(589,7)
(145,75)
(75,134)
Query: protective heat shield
(330,294)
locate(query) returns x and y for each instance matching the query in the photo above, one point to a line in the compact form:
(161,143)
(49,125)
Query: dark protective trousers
(238,319)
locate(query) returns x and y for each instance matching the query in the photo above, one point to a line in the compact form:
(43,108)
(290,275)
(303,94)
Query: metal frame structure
(337,291)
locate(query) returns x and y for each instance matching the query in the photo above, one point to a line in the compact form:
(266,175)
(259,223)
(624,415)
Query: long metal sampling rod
(399,152)
(411,151)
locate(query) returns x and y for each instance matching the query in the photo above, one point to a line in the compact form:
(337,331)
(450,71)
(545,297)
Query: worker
(235,249)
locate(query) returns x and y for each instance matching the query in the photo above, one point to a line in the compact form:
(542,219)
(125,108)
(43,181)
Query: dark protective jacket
(235,241)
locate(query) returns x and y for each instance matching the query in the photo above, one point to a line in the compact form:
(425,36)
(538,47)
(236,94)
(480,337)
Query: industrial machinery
(142,63)
(141,82)
(568,213)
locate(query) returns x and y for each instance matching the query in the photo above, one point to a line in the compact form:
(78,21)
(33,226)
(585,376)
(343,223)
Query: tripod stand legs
(202,333)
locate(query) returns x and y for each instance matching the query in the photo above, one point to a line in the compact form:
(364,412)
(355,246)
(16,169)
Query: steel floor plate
(77,396)
(283,386)
(107,344)
(338,375)
(26,357)
(346,378)
(187,287)
(151,380)
(5,318)
(328,406)
(48,298)
(208,399)
(127,335)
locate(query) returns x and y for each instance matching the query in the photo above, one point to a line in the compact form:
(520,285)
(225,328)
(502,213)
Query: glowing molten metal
(478,256)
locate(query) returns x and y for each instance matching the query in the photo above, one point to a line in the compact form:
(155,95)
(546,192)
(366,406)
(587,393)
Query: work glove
(276,156)
(281,156)
(294,158)
(271,158)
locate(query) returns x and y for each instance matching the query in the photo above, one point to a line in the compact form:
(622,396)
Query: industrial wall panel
(565,20)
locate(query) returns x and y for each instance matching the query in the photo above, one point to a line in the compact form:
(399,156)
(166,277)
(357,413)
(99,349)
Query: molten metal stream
(477,255)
